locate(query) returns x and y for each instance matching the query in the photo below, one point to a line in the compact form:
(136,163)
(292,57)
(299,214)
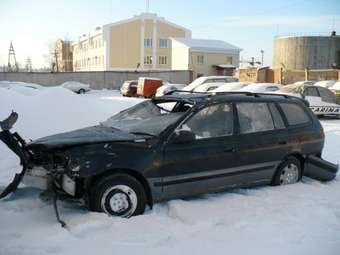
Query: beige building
(139,42)
(88,52)
(63,56)
(204,57)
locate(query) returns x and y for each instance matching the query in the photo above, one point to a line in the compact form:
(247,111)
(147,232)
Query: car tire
(81,91)
(118,195)
(288,172)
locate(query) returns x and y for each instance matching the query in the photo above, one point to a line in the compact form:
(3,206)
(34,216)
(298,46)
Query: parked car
(148,86)
(321,100)
(129,88)
(168,87)
(261,87)
(208,79)
(325,84)
(304,82)
(77,87)
(177,146)
(231,86)
(207,87)
(27,89)
(336,88)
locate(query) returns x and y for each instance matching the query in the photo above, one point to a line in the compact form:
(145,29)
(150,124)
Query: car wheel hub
(289,174)
(119,200)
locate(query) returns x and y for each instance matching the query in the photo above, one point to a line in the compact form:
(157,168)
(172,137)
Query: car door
(202,165)
(263,140)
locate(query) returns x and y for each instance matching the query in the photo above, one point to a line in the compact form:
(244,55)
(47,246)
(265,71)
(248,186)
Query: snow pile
(296,219)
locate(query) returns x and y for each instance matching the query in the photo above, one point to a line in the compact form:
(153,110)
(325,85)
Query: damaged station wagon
(179,145)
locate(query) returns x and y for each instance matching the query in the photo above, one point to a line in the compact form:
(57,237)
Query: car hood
(89,135)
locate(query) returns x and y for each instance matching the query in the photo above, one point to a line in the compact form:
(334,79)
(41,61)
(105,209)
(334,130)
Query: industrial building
(145,42)
(312,52)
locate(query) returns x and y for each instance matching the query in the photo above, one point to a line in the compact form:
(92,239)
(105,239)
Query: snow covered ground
(296,219)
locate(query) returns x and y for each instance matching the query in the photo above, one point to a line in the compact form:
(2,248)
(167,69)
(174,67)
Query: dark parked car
(176,146)
(129,88)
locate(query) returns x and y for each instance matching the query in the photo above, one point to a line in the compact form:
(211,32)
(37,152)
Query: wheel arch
(299,156)
(137,175)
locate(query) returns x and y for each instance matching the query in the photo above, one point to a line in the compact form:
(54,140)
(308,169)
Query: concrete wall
(291,76)
(300,52)
(97,80)
(278,75)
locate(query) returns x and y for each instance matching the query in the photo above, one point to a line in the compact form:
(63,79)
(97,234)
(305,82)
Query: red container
(147,86)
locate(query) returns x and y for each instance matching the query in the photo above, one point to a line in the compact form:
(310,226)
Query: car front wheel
(81,91)
(118,195)
(288,172)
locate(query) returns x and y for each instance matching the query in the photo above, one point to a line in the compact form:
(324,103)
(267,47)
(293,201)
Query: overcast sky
(250,25)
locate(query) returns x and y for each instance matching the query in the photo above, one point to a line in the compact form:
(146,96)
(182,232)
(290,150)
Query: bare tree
(49,55)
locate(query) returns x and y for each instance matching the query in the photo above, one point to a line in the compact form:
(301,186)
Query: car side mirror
(184,136)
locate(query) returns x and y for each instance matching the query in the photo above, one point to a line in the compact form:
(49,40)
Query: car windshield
(194,84)
(148,117)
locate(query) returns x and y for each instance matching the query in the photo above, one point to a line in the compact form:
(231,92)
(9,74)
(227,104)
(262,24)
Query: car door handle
(282,142)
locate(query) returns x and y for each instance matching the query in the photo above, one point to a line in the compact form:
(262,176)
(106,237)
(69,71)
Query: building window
(147,42)
(148,60)
(163,43)
(229,60)
(200,59)
(163,60)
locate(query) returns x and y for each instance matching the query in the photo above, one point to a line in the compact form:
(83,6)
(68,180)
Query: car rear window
(294,113)
(254,117)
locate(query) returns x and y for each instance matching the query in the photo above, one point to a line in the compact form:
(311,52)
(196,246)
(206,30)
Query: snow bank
(296,219)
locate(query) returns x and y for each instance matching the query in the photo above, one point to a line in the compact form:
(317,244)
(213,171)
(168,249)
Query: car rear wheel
(118,195)
(288,172)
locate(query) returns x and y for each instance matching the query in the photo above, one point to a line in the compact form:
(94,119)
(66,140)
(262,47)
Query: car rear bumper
(320,169)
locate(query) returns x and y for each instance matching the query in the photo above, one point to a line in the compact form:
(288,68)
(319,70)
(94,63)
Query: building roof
(208,45)
(148,15)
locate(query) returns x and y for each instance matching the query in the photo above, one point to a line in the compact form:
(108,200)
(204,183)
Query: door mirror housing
(184,136)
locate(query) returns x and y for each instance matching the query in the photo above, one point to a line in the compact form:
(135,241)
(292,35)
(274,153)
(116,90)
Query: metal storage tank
(301,52)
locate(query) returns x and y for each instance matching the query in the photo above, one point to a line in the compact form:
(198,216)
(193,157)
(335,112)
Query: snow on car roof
(326,84)
(257,86)
(336,86)
(230,86)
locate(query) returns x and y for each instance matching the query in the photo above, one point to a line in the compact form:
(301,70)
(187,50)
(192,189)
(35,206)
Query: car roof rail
(247,93)
(185,91)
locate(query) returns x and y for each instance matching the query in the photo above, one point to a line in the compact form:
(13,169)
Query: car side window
(211,121)
(312,92)
(254,117)
(277,118)
(294,113)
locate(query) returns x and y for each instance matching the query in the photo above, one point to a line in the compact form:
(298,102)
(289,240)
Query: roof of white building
(208,45)
(152,16)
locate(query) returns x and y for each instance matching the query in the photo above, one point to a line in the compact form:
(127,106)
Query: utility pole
(55,67)
(262,54)
(147,5)
(28,65)
(11,55)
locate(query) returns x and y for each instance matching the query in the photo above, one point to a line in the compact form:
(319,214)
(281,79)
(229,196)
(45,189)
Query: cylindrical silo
(300,52)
